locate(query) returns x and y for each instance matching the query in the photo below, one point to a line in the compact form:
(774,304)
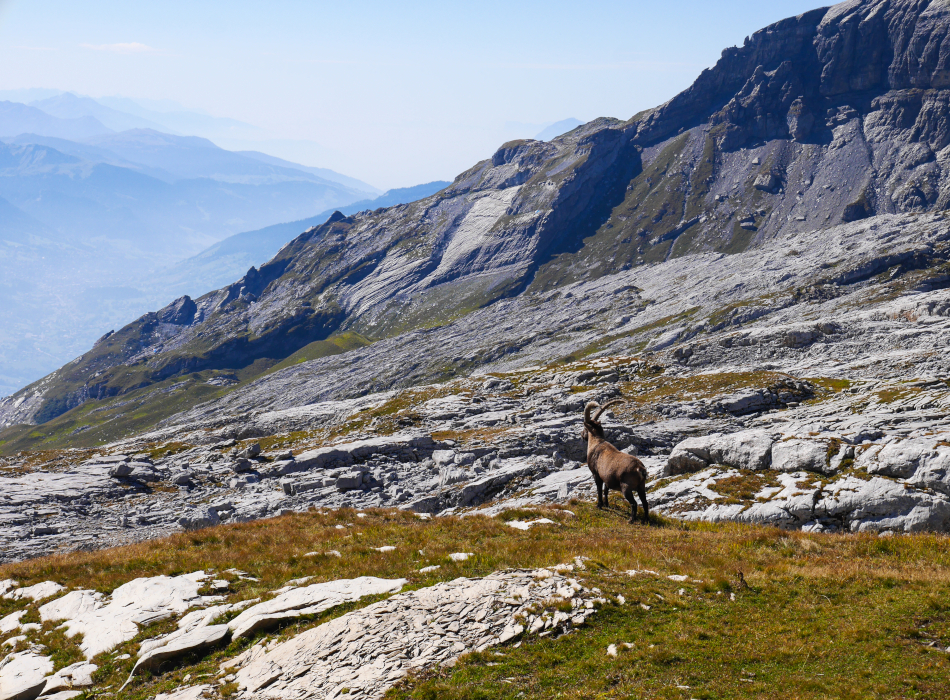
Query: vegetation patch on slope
(760,612)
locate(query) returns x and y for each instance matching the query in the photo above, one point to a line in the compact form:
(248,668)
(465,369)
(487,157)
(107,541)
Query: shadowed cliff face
(833,116)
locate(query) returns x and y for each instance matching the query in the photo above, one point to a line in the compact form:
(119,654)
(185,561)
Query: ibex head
(592,425)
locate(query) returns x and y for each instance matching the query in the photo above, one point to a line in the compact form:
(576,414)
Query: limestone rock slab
(77,675)
(310,600)
(196,640)
(138,602)
(368,650)
(23,675)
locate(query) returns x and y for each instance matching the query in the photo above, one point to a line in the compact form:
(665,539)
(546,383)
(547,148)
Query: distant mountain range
(95,201)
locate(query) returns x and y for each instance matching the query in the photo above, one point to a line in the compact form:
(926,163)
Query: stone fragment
(23,675)
(203,637)
(77,675)
(141,601)
(310,600)
(460,556)
(800,455)
(37,591)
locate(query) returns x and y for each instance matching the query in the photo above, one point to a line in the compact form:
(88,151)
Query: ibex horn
(612,402)
(588,408)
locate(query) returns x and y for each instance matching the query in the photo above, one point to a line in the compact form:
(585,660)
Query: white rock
(799,455)
(63,695)
(193,641)
(138,602)
(6,585)
(612,650)
(310,600)
(195,692)
(525,525)
(38,591)
(428,569)
(23,675)
(11,621)
(77,675)
(386,548)
(460,556)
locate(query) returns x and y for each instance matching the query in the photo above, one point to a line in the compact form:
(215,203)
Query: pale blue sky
(394,93)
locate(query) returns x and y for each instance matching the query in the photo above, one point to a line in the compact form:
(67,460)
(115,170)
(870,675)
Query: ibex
(613,469)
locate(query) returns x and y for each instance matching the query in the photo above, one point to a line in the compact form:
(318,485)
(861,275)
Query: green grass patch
(819,616)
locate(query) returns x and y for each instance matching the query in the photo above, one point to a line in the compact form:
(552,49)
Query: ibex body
(613,469)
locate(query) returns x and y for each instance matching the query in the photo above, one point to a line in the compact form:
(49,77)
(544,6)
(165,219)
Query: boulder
(746,449)
(349,481)
(251,451)
(196,640)
(800,455)
(443,457)
(197,519)
(119,470)
(897,459)
(182,478)
(242,465)
(309,600)
(23,675)
(77,675)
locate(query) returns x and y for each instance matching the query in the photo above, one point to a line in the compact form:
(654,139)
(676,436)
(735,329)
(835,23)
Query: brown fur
(613,469)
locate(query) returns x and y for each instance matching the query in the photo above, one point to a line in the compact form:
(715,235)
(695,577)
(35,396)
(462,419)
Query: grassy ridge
(823,615)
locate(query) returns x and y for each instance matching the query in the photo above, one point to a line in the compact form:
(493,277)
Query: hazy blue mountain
(70,106)
(87,152)
(228,259)
(324,173)
(196,157)
(18,227)
(174,117)
(17,118)
(558,128)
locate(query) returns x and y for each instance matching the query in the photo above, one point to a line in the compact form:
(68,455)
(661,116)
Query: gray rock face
(750,449)
(196,640)
(310,600)
(799,455)
(23,675)
(368,650)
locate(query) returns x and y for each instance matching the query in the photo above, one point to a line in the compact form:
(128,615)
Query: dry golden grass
(831,604)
